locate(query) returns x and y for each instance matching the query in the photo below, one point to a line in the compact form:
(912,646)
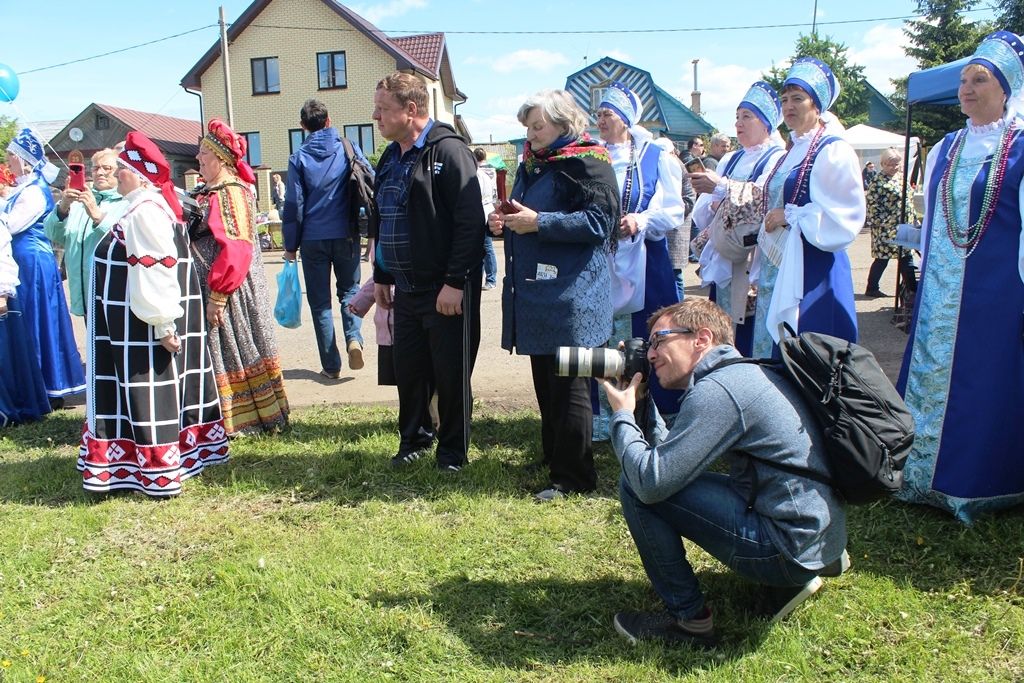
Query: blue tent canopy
(937,85)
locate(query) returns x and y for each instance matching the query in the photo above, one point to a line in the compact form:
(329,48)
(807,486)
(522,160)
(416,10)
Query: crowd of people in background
(182,357)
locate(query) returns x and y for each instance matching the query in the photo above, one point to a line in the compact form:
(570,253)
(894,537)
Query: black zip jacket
(446,218)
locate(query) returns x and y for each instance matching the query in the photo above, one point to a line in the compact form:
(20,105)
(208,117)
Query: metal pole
(227,67)
(814,20)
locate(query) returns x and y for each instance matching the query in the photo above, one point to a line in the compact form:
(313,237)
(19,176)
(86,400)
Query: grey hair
(559,108)
(890,153)
(721,137)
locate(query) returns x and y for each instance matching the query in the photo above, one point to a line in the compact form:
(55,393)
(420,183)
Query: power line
(114,52)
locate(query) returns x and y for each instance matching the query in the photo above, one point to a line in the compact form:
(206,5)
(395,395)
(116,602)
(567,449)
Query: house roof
(172,135)
(47,129)
(423,53)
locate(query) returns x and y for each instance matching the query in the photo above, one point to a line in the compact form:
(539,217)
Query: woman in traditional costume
(41,294)
(650,188)
(230,268)
(757,117)
(556,290)
(814,198)
(22,392)
(963,371)
(152,412)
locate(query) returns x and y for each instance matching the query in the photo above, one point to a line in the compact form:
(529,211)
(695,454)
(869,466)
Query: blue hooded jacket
(316,199)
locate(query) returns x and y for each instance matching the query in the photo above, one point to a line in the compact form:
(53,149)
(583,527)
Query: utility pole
(227,67)
(814,20)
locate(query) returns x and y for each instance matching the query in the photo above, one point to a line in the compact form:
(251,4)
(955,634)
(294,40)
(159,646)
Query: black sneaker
(660,626)
(403,459)
(837,568)
(779,602)
(448,468)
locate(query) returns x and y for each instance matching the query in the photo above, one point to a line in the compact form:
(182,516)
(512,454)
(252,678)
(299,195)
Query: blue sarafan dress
(44,308)
(22,393)
(963,371)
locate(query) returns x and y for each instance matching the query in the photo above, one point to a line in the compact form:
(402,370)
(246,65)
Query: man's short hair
(721,138)
(313,115)
(696,313)
(480,154)
(693,143)
(407,88)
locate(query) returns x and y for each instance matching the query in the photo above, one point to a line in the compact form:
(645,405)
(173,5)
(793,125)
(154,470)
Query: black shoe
(777,602)
(837,568)
(449,468)
(409,457)
(875,293)
(660,626)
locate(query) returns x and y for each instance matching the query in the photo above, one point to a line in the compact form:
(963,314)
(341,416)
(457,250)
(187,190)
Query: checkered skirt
(153,418)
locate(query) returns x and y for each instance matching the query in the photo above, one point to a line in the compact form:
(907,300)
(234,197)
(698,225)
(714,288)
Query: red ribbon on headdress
(236,144)
(7,176)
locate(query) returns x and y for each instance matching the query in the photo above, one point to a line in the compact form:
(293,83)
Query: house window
(596,96)
(102,122)
(266,77)
(295,138)
(330,67)
(361,135)
(254,154)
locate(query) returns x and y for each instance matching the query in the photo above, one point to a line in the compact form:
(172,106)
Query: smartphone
(76,176)
(506,207)
(695,165)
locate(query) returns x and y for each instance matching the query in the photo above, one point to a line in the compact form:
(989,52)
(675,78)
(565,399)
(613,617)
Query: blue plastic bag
(288,309)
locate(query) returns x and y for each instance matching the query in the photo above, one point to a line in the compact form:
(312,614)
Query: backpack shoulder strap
(349,152)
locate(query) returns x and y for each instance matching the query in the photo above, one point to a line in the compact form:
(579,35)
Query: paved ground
(501,379)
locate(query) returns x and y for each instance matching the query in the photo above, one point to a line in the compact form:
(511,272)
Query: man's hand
(449,301)
(290,255)
(382,296)
(622,398)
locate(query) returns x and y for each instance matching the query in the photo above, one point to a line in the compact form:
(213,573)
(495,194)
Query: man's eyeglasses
(658,337)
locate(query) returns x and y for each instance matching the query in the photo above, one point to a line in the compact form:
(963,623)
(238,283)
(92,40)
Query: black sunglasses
(658,337)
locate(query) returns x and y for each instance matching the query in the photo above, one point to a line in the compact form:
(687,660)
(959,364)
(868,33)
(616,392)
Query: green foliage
(852,107)
(307,557)
(1011,16)
(8,129)
(375,156)
(942,35)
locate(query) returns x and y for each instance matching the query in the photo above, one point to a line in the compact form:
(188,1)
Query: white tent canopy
(869,143)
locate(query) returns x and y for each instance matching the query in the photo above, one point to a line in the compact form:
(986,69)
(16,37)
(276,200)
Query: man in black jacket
(430,249)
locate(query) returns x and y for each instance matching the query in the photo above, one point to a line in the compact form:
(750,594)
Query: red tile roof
(425,48)
(174,135)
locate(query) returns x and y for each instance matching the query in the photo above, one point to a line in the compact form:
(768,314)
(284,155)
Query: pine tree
(1011,16)
(8,129)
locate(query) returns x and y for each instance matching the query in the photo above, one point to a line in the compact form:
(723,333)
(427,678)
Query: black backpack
(360,193)
(868,429)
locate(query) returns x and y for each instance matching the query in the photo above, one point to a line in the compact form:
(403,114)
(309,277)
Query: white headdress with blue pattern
(815,77)
(28,147)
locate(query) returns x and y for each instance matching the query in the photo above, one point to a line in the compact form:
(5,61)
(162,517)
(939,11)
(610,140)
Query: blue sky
(496,70)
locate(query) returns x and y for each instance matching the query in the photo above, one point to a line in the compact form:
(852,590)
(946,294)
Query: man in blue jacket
(430,249)
(317,220)
(773,528)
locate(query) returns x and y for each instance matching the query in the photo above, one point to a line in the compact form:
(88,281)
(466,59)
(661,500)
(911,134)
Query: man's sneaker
(837,568)
(489,285)
(330,375)
(403,459)
(448,468)
(782,601)
(355,355)
(549,495)
(663,627)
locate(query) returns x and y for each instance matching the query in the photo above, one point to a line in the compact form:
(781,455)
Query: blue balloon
(9,85)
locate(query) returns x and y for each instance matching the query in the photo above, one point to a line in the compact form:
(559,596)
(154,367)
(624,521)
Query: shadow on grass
(560,621)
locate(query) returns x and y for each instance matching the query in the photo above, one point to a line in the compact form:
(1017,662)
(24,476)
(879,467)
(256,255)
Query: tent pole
(898,296)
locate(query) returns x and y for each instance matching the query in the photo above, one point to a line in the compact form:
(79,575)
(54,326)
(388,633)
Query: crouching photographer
(774,528)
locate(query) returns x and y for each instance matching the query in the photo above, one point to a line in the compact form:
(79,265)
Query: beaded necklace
(967,239)
(805,168)
(627,184)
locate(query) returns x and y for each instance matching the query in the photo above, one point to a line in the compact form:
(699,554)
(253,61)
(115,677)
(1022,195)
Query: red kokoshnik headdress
(230,148)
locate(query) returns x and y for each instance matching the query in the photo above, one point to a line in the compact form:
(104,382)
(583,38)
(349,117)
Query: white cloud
(619,55)
(881,54)
(722,86)
(387,10)
(530,60)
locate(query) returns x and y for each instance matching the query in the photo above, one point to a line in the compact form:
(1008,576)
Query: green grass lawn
(307,558)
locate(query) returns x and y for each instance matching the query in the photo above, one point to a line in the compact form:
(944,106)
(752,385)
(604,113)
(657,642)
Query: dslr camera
(576,361)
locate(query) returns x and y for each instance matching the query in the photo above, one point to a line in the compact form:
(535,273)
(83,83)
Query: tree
(852,107)
(1011,16)
(8,129)
(942,35)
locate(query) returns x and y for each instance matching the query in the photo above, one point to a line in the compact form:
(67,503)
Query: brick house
(283,52)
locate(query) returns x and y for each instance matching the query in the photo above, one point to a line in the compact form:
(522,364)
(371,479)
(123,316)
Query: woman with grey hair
(558,224)
(884,194)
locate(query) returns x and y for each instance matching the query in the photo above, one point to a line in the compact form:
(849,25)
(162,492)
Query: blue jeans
(680,283)
(709,513)
(319,257)
(490,262)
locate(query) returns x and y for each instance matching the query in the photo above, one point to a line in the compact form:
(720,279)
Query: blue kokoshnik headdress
(1002,53)
(28,147)
(762,100)
(623,102)
(816,77)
